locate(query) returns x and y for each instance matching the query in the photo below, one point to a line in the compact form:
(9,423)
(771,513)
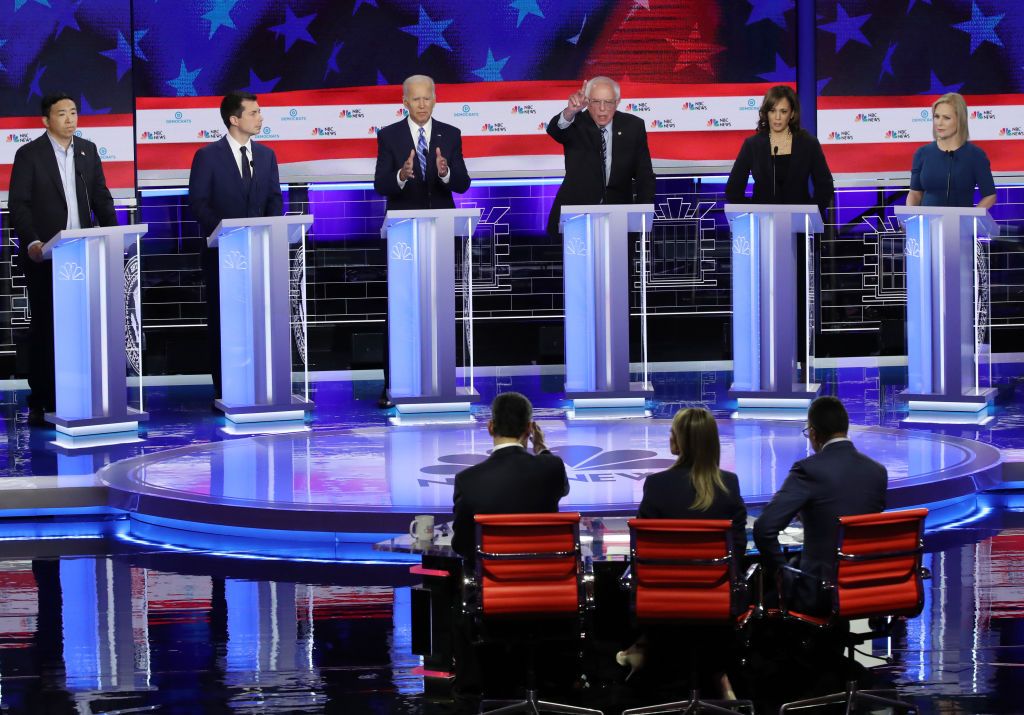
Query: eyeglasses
(603,103)
(805,431)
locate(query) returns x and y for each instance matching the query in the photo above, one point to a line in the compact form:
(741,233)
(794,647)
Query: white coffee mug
(422,527)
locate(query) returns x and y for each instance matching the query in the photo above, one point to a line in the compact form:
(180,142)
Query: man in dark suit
(607,160)
(836,481)
(510,480)
(419,165)
(57,183)
(233,177)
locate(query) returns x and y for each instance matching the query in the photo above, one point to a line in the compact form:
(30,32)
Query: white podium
(421,309)
(595,248)
(947,308)
(89,330)
(764,304)
(255,325)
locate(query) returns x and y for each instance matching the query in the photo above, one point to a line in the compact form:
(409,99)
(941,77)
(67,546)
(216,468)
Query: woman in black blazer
(693,488)
(782,157)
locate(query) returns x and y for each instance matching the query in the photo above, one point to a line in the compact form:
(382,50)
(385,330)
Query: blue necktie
(421,153)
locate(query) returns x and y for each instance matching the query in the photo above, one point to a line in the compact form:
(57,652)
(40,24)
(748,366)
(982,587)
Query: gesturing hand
(442,164)
(577,103)
(537,437)
(407,172)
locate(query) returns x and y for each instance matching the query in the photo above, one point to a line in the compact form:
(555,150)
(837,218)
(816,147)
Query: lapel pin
(618,134)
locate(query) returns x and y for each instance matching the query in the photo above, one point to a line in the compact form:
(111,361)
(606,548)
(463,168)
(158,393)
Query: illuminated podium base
(799,397)
(279,412)
(92,426)
(420,404)
(636,396)
(972,400)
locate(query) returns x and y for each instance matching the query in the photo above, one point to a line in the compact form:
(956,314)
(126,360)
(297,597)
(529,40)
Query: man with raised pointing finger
(419,163)
(607,160)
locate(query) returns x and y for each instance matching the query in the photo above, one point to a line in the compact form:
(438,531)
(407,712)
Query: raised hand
(577,103)
(442,164)
(537,437)
(406,171)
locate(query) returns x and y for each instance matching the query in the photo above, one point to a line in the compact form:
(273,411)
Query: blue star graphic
(981,28)
(18,4)
(85,108)
(525,8)
(121,55)
(220,15)
(332,61)
(491,71)
(937,87)
(846,28)
(821,84)
(294,28)
(887,63)
(184,83)
(137,36)
(66,18)
(33,88)
(911,5)
(359,4)
(2,68)
(774,10)
(428,32)
(781,73)
(381,79)
(261,86)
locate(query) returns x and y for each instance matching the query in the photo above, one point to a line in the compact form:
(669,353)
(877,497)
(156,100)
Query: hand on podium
(35,251)
(407,172)
(442,164)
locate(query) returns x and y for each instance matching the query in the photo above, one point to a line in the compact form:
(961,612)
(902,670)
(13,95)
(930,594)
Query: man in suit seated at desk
(510,480)
(835,481)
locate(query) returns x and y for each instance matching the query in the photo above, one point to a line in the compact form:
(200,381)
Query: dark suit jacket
(631,179)
(36,198)
(670,494)
(837,481)
(394,142)
(807,161)
(510,481)
(216,190)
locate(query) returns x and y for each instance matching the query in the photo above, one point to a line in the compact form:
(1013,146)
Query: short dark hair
(828,417)
(511,413)
(51,99)
(771,98)
(231,105)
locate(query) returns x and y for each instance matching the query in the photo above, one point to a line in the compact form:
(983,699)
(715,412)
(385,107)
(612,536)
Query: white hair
(591,83)
(417,79)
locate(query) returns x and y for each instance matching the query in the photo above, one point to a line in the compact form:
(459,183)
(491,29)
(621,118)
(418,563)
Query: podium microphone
(949,173)
(88,203)
(775,186)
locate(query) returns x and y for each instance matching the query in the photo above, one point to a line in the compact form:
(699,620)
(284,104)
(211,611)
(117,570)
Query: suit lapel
(49,160)
(228,156)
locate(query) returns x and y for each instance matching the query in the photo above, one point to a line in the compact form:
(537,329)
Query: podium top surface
(231,225)
(988,224)
(127,233)
(575,210)
(462,218)
(732,210)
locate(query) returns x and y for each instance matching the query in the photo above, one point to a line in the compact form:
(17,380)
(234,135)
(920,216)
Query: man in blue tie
(419,164)
(233,177)
(607,160)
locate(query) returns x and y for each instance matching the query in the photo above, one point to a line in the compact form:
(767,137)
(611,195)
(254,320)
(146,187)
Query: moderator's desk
(604,545)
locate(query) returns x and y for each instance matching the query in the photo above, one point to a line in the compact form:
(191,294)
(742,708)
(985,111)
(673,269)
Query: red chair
(683,571)
(879,577)
(528,570)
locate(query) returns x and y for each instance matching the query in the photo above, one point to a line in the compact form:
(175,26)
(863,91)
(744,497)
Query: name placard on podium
(947,308)
(595,249)
(255,322)
(421,309)
(89,330)
(764,304)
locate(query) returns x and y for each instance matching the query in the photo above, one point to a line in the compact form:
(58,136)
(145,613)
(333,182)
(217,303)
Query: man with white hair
(419,166)
(607,160)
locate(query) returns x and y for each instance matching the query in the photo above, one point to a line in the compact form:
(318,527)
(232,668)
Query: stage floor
(354,471)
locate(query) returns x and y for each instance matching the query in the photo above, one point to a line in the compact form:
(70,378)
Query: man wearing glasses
(607,160)
(835,481)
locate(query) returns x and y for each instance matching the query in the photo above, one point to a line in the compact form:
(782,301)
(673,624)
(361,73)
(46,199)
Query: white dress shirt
(236,152)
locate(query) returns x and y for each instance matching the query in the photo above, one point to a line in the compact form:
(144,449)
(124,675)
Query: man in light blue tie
(607,160)
(419,164)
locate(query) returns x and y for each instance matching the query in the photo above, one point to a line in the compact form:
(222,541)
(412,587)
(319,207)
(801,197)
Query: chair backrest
(682,569)
(529,564)
(878,569)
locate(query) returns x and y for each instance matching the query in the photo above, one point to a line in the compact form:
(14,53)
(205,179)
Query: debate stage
(355,474)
